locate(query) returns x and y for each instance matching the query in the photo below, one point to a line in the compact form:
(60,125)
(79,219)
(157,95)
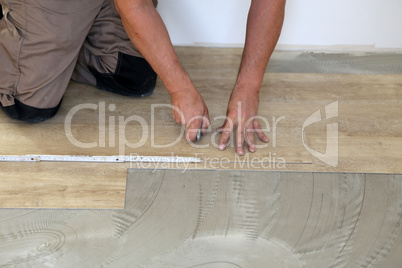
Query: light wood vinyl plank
(159,131)
(369,119)
(62,185)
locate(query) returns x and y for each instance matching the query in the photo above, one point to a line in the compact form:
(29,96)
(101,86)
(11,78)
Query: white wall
(308,23)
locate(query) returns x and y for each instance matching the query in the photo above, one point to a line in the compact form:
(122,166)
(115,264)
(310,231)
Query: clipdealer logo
(331,155)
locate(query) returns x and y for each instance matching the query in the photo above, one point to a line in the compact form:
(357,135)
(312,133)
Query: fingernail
(222,147)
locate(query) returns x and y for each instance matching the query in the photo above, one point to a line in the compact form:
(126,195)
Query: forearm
(147,31)
(264,26)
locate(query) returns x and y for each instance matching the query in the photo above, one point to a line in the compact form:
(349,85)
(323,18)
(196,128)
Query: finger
(178,115)
(229,124)
(250,139)
(240,139)
(206,123)
(176,118)
(222,128)
(226,131)
(260,133)
(193,126)
(224,140)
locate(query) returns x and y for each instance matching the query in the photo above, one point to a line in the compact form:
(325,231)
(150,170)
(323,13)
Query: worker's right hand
(190,110)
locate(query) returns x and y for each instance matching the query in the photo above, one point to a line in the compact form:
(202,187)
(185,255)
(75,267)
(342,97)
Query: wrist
(178,82)
(249,88)
(249,82)
(181,88)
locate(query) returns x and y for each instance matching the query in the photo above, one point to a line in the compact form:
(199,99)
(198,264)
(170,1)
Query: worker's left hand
(241,120)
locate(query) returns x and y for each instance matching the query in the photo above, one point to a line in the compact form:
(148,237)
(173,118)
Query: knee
(133,77)
(26,113)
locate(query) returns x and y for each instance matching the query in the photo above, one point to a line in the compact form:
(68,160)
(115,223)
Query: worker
(121,46)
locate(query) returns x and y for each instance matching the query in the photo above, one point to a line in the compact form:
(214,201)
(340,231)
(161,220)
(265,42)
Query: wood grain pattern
(63,185)
(160,130)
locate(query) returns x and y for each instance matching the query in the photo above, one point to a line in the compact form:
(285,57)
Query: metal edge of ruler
(98,159)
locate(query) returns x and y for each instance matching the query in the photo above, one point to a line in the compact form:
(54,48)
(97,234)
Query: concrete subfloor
(224,218)
(335,63)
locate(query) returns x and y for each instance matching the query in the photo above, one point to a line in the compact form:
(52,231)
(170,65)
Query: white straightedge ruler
(98,159)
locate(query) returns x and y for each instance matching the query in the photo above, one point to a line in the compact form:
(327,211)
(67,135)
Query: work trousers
(45,43)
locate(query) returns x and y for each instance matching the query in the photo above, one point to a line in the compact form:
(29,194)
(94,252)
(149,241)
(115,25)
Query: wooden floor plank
(62,185)
(158,131)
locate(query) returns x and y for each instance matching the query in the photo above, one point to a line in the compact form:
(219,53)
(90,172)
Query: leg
(109,61)
(39,47)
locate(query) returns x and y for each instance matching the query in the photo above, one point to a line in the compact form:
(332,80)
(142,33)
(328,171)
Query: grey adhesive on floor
(340,63)
(206,218)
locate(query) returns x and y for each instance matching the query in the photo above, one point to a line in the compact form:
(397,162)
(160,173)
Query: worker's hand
(241,119)
(189,109)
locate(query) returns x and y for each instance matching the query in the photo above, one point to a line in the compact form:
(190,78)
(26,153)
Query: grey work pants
(45,43)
